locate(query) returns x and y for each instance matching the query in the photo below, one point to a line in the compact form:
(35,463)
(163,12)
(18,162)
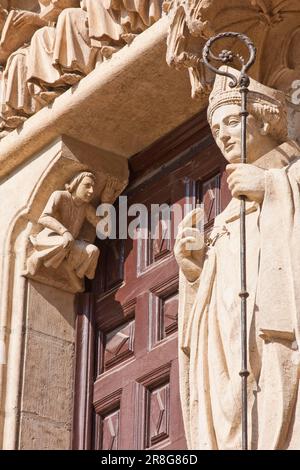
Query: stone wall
(47,388)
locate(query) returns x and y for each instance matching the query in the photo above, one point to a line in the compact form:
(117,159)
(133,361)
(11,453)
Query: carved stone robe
(16,95)
(57,57)
(209,321)
(74,45)
(60,55)
(48,243)
(109,19)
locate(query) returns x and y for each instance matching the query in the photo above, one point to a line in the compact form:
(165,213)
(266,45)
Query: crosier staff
(242,83)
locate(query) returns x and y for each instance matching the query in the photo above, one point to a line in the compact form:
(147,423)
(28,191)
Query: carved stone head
(266,123)
(81,186)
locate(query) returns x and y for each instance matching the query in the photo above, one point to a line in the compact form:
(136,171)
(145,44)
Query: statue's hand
(246,180)
(189,247)
(23,18)
(109,191)
(68,240)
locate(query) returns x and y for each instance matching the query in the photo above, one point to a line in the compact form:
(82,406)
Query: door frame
(83,416)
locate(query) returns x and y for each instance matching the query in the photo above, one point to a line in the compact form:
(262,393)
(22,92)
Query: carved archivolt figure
(16,102)
(132,16)
(209,332)
(60,54)
(59,245)
(57,57)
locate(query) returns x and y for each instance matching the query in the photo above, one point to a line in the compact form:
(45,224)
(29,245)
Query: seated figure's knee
(92,251)
(61,242)
(15,63)
(74,19)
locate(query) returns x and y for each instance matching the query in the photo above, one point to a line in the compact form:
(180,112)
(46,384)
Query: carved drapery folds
(43,53)
(273,25)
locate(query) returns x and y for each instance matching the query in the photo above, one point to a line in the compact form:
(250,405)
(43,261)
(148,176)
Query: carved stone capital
(271,24)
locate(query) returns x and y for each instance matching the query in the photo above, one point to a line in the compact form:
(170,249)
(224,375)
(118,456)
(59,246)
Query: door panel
(133,310)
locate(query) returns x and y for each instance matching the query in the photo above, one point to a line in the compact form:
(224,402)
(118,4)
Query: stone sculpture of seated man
(59,245)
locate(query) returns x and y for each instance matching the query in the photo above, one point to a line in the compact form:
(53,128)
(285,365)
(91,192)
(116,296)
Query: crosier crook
(243,82)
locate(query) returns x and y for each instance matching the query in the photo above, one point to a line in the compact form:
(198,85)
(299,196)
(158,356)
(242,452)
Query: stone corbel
(72,157)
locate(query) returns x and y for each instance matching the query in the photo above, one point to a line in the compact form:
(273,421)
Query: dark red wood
(133,322)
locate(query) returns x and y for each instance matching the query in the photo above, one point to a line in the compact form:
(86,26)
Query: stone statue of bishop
(209,318)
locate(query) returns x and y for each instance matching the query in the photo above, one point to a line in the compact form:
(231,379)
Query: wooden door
(127,391)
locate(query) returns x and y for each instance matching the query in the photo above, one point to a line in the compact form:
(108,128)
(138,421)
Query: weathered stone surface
(40,434)
(50,312)
(48,377)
